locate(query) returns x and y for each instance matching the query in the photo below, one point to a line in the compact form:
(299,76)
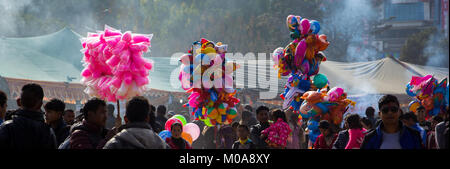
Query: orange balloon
(187,137)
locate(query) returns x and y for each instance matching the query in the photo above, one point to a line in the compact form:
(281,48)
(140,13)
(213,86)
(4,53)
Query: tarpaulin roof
(384,76)
(56,57)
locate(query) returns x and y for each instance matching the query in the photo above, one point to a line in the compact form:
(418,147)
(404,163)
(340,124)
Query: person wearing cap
(176,141)
(326,138)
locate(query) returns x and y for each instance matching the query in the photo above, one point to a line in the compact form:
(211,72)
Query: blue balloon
(313,125)
(165,134)
(315,26)
(408,90)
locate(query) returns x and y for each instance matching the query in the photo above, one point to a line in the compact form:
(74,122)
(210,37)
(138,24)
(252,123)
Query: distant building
(406,17)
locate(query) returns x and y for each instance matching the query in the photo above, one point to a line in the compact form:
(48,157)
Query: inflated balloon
(187,137)
(320,81)
(171,121)
(165,134)
(192,129)
(413,105)
(429,93)
(181,118)
(300,60)
(304,26)
(114,64)
(212,99)
(315,26)
(335,94)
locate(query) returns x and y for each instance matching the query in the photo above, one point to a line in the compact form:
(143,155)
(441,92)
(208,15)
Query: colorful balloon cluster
(301,60)
(324,105)
(429,93)
(277,134)
(207,76)
(191,131)
(114,66)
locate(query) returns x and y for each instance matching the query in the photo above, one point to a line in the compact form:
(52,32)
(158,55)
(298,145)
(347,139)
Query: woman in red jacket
(326,138)
(176,142)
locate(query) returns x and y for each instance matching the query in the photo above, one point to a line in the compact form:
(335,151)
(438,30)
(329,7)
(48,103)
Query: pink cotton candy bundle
(114,65)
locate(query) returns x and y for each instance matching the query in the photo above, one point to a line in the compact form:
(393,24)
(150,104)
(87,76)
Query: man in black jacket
(54,117)
(136,133)
(27,129)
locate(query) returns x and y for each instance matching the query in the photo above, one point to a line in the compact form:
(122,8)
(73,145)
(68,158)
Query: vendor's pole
(118,119)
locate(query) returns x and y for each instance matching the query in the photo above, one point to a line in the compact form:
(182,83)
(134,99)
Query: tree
(413,50)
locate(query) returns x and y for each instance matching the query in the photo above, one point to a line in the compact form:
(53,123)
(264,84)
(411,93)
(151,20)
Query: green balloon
(181,118)
(320,81)
(207,122)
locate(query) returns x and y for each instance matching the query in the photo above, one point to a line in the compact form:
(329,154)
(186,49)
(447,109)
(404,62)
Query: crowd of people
(96,127)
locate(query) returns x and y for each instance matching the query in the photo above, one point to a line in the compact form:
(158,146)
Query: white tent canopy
(384,76)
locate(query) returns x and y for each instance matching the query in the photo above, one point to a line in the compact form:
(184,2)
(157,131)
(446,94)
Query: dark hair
(370,111)
(277,113)
(68,110)
(234,124)
(324,124)
(3,98)
(438,119)
(55,105)
(420,108)
(176,124)
(261,108)
(293,118)
(249,108)
(244,126)
(353,121)
(409,115)
(367,122)
(386,99)
(32,94)
(111,108)
(161,109)
(92,105)
(137,109)
(246,114)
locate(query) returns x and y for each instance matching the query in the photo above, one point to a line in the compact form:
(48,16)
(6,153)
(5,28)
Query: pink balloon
(170,122)
(192,129)
(304,26)
(335,93)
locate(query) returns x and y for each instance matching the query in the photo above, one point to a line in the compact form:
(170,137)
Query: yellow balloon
(209,50)
(414,107)
(213,114)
